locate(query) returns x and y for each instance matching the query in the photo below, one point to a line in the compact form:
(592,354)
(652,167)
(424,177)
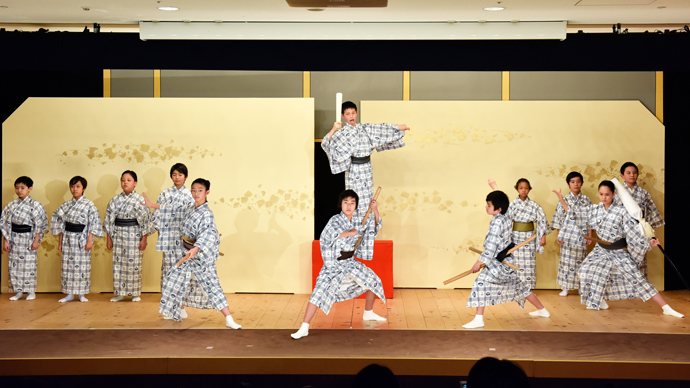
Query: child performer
(525,213)
(23,223)
(573,245)
(201,242)
(127,224)
(350,150)
(342,277)
(650,213)
(497,283)
(613,224)
(172,206)
(77,222)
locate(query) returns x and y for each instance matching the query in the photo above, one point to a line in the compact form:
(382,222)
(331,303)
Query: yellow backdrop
(434,189)
(257,153)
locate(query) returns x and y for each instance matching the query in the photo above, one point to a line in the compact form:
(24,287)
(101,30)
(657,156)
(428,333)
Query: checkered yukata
(175,205)
(126,254)
(76,261)
(22,261)
(340,280)
(574,248)
(613,274)
(200,226)
(525,257)
(650,213)
(497,283)
(360,141)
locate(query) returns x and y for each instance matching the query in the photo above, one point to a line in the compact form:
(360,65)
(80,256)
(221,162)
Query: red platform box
(382,264)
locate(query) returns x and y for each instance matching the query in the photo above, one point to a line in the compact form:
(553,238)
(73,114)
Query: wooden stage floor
(423,336)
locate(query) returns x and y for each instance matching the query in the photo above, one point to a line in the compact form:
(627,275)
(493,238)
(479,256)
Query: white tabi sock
(82,298)
(564,293)
(136,299)
(31,296)
(302,332)
(17,296)
(370,315)
(183,314)
(67,298)
(477,322)
(229,322)
(541,313)
(604,305)
(669,311)
(117,298)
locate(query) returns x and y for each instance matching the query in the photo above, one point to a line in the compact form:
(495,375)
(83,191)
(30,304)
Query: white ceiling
(132,11)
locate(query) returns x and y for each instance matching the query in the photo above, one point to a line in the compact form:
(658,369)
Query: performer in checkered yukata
(77,222)
(23,223)
(497,283)
(614,225)
(342,277)
(201,241)
(127,224)
(570,238)
(349,149)
(528,218)
(650,213)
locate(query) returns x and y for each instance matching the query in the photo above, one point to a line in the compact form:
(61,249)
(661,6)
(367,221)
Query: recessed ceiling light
(168,8)
(314,9)
(494,8)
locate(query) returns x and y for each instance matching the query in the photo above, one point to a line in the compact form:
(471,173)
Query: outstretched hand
(557,192)
(403,127)
(147,202)
(492,184)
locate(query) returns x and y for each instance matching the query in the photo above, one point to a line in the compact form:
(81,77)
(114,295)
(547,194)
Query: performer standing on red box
(342,277)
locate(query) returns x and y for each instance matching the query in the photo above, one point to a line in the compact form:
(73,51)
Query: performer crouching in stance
(598,280)
(342,277)
(201,241)
(498,283)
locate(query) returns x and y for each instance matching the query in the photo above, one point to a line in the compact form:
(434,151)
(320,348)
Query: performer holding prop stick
(497,283)
(501,257)
(342,277)
(598,282)
(349,149)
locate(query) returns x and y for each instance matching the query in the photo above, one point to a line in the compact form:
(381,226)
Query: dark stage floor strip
(341,352)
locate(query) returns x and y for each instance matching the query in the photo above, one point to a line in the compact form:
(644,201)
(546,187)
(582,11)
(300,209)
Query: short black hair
(375,376)
(608,184)
(347,194)
(79,179)
(131,173)
(499,199)
(28,182)
(347,105)
(205,182)
(523,180)
(574,174)
(629,164)
(495,373)
(179,167)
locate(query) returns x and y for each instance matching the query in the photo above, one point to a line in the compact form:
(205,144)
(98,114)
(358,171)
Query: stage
(423,337)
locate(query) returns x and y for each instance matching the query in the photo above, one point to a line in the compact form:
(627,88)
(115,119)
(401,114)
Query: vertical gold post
(156,84)
(406,86)
(660,96)
(306,84)
(505,86)
(106,83)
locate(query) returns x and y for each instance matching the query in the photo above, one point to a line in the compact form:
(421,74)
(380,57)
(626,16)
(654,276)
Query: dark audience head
(375,376)
(491,372)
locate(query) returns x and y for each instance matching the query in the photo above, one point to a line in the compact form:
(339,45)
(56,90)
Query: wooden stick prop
(596,240)
(473,249)
(366,215)
(186,257)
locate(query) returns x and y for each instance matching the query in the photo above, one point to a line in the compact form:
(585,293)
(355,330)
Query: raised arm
(560,199)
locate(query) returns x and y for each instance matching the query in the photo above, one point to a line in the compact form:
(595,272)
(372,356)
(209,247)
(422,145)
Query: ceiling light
(494,8)
(315,9)
(168,8)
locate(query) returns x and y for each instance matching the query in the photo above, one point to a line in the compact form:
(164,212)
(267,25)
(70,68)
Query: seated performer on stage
(498,283)
(613,224)
(201,241)
(349,149)
(342,277)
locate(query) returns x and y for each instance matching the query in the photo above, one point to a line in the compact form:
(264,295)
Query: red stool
(382,264)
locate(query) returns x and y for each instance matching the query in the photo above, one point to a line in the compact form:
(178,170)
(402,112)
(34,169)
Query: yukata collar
(80,198)
(130,194)
(180,189)
(526,199)
(28,196)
